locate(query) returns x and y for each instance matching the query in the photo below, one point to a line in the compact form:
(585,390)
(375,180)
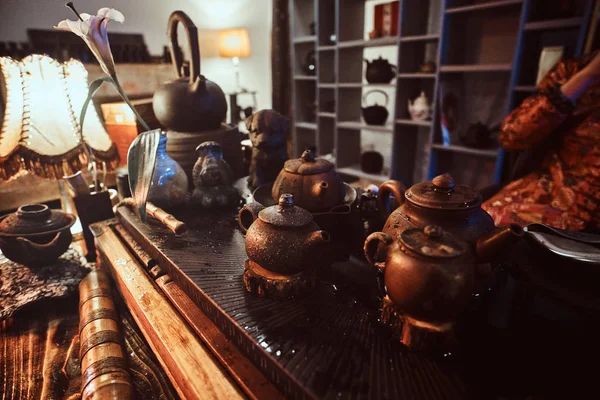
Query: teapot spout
(320,189)
(316,239)
(248,215)
(491,244)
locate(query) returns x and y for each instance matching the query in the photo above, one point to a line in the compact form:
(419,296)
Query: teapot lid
(442,193)
(34,219)
(432,241)
(307,164)
(285,213)
(422,99)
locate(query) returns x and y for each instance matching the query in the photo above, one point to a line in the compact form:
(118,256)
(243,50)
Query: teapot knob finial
(286,200)
(443,182)
(308,155)
(433,231)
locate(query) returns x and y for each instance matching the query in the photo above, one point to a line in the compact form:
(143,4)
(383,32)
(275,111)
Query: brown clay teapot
(282,238)
(190,103)
(428,273)
(455,208)
(314,183)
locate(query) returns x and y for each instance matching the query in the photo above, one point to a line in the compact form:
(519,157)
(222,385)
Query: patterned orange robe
(565,192)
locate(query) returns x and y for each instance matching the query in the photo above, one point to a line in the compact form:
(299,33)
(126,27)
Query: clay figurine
(268,132)
(213,178)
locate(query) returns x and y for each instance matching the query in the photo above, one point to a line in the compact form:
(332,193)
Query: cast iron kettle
(375,114)
(380,71)
(190,103)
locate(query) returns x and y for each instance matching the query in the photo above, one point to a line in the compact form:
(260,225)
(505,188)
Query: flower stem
(72,7)
(126,99)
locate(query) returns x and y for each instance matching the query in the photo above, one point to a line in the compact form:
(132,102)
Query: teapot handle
(374,240)
(192,35)
(387,188)
(248,214)
(364,99)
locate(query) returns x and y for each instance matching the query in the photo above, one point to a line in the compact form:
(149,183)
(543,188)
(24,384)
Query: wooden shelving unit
(486,51)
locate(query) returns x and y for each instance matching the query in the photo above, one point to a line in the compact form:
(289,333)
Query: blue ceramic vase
(169,187)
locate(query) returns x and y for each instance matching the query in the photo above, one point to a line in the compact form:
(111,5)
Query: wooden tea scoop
(176,226)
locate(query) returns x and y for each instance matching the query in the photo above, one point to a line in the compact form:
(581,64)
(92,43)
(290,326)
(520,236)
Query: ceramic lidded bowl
(35,235)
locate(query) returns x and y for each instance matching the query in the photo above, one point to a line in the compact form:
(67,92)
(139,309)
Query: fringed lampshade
(43,100)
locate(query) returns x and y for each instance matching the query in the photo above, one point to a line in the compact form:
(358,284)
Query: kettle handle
(364,99)
(387,188)
(192,35)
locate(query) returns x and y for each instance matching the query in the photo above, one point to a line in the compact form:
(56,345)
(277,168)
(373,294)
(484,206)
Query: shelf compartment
(355,170)
(306,125)
(416,75)
(421,38)
(302,13)
(492,5)
(304,39)
(525,88)
(359,125)
(384,41)
(305,77)
(489,153)
(413,54)
(413,122)
(561,23)
(477,68)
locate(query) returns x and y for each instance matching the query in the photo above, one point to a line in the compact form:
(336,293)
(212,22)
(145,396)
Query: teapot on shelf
(375,114)
(379,71)
(420,110)
(190,103)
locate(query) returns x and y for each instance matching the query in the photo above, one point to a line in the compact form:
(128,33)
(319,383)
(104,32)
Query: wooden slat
(190,366)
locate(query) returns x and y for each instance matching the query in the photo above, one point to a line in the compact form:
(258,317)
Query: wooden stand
(266,283)
(415,334)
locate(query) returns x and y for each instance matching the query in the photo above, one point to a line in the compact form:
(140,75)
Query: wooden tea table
(185,300)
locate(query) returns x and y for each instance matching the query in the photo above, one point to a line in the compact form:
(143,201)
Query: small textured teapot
(188,104)
(282,238)
(314,183)
(379,71)
(420,110)
(428,273)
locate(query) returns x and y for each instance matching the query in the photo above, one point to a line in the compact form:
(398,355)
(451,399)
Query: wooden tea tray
(326,345)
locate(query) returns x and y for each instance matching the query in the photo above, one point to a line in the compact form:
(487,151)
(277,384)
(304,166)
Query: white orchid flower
(92,29)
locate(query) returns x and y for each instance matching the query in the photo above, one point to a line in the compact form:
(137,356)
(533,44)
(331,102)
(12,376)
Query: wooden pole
(103,364)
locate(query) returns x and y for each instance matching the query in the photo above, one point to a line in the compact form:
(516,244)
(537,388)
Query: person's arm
(540,115)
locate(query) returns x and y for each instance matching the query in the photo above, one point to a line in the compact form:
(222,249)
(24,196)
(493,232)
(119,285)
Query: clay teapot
(420,110)
(379,71)
(455,208)
(190,103)
(314,183)
(428,273)
(282,238)
(375,114)
(35,235)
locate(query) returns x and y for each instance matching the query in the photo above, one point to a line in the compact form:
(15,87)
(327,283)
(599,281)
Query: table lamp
(39,134)
(234,44)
